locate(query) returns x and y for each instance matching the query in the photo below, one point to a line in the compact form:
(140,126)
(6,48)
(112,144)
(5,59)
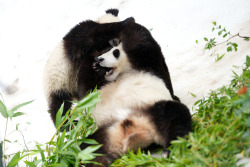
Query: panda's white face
(116,59)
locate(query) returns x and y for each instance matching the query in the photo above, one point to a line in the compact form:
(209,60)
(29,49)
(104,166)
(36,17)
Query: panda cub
(68,73)
(138,107)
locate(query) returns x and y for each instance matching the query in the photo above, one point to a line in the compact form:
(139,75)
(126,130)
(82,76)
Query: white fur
(58,73)
(131,92)
(107,18)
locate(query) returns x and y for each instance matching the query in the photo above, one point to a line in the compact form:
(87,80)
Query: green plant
(221,129)
(222,33)
(64,148)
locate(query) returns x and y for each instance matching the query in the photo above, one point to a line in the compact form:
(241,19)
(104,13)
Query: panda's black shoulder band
(113,11)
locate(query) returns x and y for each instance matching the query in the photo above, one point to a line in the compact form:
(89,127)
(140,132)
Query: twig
(232,36)
(23,140)
(227,40)
(4,141)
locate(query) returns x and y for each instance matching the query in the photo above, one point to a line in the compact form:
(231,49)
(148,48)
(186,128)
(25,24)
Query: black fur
(101,137)
(56,100)
(116,53)
(172,120)
(86,41)
(145,54)
(82,44)
(113,12)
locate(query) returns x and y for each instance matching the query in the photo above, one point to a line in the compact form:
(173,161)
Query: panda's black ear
(128,21)
(113,11)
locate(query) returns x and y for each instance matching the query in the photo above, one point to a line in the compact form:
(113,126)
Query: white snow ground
(29,30)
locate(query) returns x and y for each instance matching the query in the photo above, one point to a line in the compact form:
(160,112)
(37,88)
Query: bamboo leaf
(14,161)
(41,152)
(59,116)
(21,105)
(3,110)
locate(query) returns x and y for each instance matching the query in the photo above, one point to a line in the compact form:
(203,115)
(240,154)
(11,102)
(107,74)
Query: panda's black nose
(99,59)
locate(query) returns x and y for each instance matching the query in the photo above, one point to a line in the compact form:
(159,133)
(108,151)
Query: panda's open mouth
(109,71)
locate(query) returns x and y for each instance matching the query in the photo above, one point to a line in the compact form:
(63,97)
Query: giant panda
(68,73)
(138,106)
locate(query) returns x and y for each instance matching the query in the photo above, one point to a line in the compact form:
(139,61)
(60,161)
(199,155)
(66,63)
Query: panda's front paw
(98,69)
(95,66)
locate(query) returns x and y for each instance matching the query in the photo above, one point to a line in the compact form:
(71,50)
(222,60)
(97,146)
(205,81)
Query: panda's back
(58,73)
(134,91)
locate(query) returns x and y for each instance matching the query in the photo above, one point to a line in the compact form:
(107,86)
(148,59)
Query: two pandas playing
(138,106)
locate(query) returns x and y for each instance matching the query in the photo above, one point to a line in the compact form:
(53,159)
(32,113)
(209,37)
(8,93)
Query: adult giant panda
(138,107)
(68,73)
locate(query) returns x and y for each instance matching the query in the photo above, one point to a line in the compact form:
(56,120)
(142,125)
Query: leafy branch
(222,33)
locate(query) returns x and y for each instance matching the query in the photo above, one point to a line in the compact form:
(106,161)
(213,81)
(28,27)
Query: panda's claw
(94,66)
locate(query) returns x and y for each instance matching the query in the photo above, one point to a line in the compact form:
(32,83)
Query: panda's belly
(134,91)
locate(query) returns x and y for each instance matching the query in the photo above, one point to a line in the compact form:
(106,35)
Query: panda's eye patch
(116,53)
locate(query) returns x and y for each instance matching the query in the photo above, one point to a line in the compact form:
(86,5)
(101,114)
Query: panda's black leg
(56,100)
(172,119)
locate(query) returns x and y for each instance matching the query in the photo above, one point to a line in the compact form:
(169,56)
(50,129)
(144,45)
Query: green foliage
(221,129)
(222,33)
(219,57)
(64,148)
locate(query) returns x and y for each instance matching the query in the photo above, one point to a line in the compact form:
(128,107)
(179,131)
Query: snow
(30,30)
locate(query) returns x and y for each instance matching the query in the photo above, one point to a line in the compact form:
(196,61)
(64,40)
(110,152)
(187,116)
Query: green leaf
(3,110)
(196,41)
(229,49)
(247,39)
(219,57)
(41,152)
(30,164)
(205,39)
(21,105)
(214,23)
(17,126)
(10,114)
(17,114)
(60,140)
(192,94)
(7,140)
(225,35)
(235,45)
(220,32)
(86,155)
(89,141)
(59,116)
(66,153)
(14,161)
(248,61)
(89,101)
